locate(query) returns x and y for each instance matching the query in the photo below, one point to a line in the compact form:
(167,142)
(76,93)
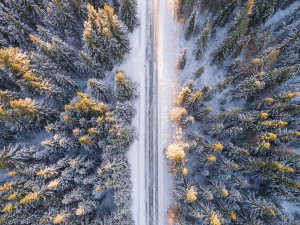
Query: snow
(168,49)
(291,208)
(34,138)
(134,66)
(107,203)
(211,72)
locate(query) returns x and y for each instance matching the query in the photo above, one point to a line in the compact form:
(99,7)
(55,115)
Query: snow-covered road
(167,47)
(152,64)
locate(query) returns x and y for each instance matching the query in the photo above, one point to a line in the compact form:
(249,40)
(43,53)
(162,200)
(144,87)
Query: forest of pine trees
(237,161)
(65,111)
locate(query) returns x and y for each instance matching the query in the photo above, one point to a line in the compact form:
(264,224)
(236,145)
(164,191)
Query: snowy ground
(134,66)
(167,50)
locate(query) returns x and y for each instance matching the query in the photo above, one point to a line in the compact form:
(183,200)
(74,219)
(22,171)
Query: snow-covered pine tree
(128,14)
(116,35)
(26,114)
(60,52)
(191,26)
(105,38)
(17,65)
(178,8)
(202,41)
(262,11)
(96,44)
(181,60)
(223,12)
(125,87)
(16,31)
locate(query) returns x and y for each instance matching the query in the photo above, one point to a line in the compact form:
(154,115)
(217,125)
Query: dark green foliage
(181,60)
(214,6)
(128,14)
(178,8)
(125,87)
(237,31)
(202,41)
(190,26)
(199,72)
(182,8)
(224,13)
(262,11)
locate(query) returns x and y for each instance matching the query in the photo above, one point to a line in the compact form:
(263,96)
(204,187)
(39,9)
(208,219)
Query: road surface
(163,50)
(151,64)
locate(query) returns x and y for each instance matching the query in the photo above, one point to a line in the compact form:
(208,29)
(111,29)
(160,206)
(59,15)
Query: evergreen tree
(178,8)
(98,89)
(262,11)
(17,64)
(199,72)
(26,113)
(128,14)
(202,41)
(181,60)
(125,87)
(237,31)
(105,38)
(191,25)
(17,31)
(95,42)
(62,53)
(25,10)
(224,11)
(117,38)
